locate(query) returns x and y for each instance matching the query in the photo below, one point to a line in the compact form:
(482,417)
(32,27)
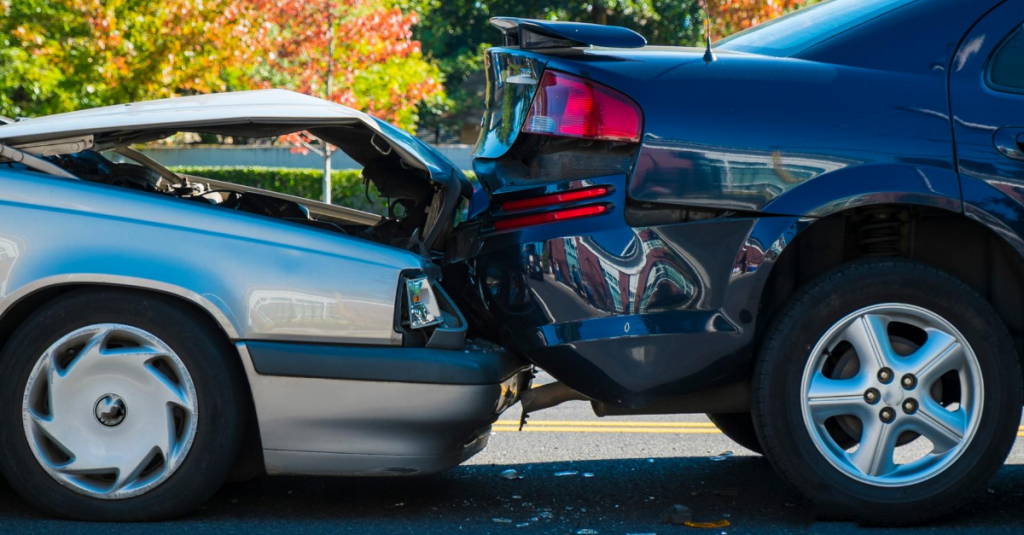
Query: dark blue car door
(986,84)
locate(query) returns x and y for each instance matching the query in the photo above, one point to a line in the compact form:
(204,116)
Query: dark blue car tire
(966,399)
(739,427)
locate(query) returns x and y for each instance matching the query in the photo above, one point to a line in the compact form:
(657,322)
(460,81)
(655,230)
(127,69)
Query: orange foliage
(352,52)
(731,16)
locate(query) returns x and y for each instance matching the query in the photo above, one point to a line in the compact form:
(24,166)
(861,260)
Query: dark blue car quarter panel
(746,130)
(743,132)
(993,184)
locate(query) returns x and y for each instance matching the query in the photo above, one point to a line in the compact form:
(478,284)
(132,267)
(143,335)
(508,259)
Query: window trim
(990,64)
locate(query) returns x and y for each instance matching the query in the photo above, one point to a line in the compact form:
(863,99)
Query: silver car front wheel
(110,411)
(118,405)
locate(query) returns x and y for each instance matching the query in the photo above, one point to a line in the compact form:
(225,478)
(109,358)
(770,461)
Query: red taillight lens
(549,217)
(555,198)
(567,105)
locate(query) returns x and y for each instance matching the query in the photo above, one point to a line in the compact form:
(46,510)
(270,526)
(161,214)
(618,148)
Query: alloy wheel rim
(894,396)
(110,411)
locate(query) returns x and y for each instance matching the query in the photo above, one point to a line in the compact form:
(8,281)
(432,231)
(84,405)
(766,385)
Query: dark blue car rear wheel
(888,392)
(739,427)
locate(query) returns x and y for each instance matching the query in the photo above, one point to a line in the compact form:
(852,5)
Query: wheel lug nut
(887,415)
(908,381)
(910,406)
(872,396)
(885,375)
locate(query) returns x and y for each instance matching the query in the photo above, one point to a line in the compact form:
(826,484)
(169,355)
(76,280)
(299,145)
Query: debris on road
(586,531)
(511,474)
(566,473)
(677,515)
(588,474)
(721,456)
(502,520)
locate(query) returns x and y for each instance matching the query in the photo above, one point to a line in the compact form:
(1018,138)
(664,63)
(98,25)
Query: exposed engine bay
(407,201)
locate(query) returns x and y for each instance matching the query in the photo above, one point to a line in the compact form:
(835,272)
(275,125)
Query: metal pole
(327,172)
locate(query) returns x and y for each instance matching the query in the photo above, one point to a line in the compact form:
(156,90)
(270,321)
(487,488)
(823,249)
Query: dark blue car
(813,234)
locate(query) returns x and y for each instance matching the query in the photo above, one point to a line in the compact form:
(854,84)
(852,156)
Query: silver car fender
(259,278)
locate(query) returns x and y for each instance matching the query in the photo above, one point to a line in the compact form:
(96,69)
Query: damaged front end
(421,188)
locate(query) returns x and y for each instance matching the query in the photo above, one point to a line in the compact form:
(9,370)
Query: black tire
(739,427)
(206,354)
(785,351)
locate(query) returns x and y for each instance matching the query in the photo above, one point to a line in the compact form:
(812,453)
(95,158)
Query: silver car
(160,332)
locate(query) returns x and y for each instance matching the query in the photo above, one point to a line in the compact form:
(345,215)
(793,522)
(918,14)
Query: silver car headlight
(423,304)
(425,315)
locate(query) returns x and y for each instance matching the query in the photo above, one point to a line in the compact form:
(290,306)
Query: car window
(1006,68)
(805,28)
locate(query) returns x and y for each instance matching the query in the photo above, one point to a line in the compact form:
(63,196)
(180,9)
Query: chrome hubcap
(903,377)
(110,411)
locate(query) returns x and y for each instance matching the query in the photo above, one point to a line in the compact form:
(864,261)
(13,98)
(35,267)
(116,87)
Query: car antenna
(709,56)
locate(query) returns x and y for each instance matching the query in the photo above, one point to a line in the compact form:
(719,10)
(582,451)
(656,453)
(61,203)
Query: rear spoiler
(531,34)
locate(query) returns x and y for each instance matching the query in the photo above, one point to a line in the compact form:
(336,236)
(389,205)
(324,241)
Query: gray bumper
(342,411)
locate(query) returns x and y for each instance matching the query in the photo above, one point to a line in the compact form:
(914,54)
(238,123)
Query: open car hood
(265,113)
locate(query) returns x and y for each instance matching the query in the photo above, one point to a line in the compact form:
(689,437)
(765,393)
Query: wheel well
(250,460)
(945,240)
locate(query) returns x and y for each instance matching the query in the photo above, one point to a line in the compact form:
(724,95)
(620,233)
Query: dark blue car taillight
(551,200)
(570,106)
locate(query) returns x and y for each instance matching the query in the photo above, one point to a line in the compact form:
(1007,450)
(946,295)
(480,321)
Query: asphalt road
(621,479)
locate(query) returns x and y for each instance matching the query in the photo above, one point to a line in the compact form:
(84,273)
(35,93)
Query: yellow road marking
(563,423)
(574,429)
(570,426)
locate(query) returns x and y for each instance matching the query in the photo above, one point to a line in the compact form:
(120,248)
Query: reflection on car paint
(681,171)
(9,248)
(644,277)
(285,311)
(509,100)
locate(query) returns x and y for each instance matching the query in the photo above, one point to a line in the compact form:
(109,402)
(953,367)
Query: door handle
(1010,143)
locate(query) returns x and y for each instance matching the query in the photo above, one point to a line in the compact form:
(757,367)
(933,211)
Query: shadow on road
(623,496)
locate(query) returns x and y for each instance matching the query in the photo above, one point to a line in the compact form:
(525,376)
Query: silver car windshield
(803,29)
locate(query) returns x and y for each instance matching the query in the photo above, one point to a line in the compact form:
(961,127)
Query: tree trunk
(600,12)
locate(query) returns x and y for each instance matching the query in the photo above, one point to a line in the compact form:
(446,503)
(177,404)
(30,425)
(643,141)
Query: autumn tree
(353,52)
(62,55)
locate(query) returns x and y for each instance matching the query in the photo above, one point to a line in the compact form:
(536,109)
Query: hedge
(347,187)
